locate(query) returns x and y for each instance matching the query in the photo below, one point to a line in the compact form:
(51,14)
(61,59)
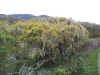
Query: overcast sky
(83,10)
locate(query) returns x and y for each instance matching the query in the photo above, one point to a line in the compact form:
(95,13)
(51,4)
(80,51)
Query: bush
(54,40)
(60,71)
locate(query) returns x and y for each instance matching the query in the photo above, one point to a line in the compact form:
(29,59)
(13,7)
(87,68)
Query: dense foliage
(39,43)
(93,28)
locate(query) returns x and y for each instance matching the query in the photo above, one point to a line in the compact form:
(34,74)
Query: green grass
(3,49)
(92,62)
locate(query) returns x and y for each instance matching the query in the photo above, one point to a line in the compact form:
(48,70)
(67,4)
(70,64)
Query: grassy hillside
(92,62)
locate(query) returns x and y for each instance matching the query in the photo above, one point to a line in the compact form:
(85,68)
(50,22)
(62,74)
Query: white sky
(83,10)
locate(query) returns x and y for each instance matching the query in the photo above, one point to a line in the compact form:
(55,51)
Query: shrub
(46,43)
(60,71)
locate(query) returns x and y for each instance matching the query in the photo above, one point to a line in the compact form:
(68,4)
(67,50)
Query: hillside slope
(26,16)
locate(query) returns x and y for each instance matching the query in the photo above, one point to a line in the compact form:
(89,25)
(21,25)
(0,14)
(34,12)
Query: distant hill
(7,19)
(27,16)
